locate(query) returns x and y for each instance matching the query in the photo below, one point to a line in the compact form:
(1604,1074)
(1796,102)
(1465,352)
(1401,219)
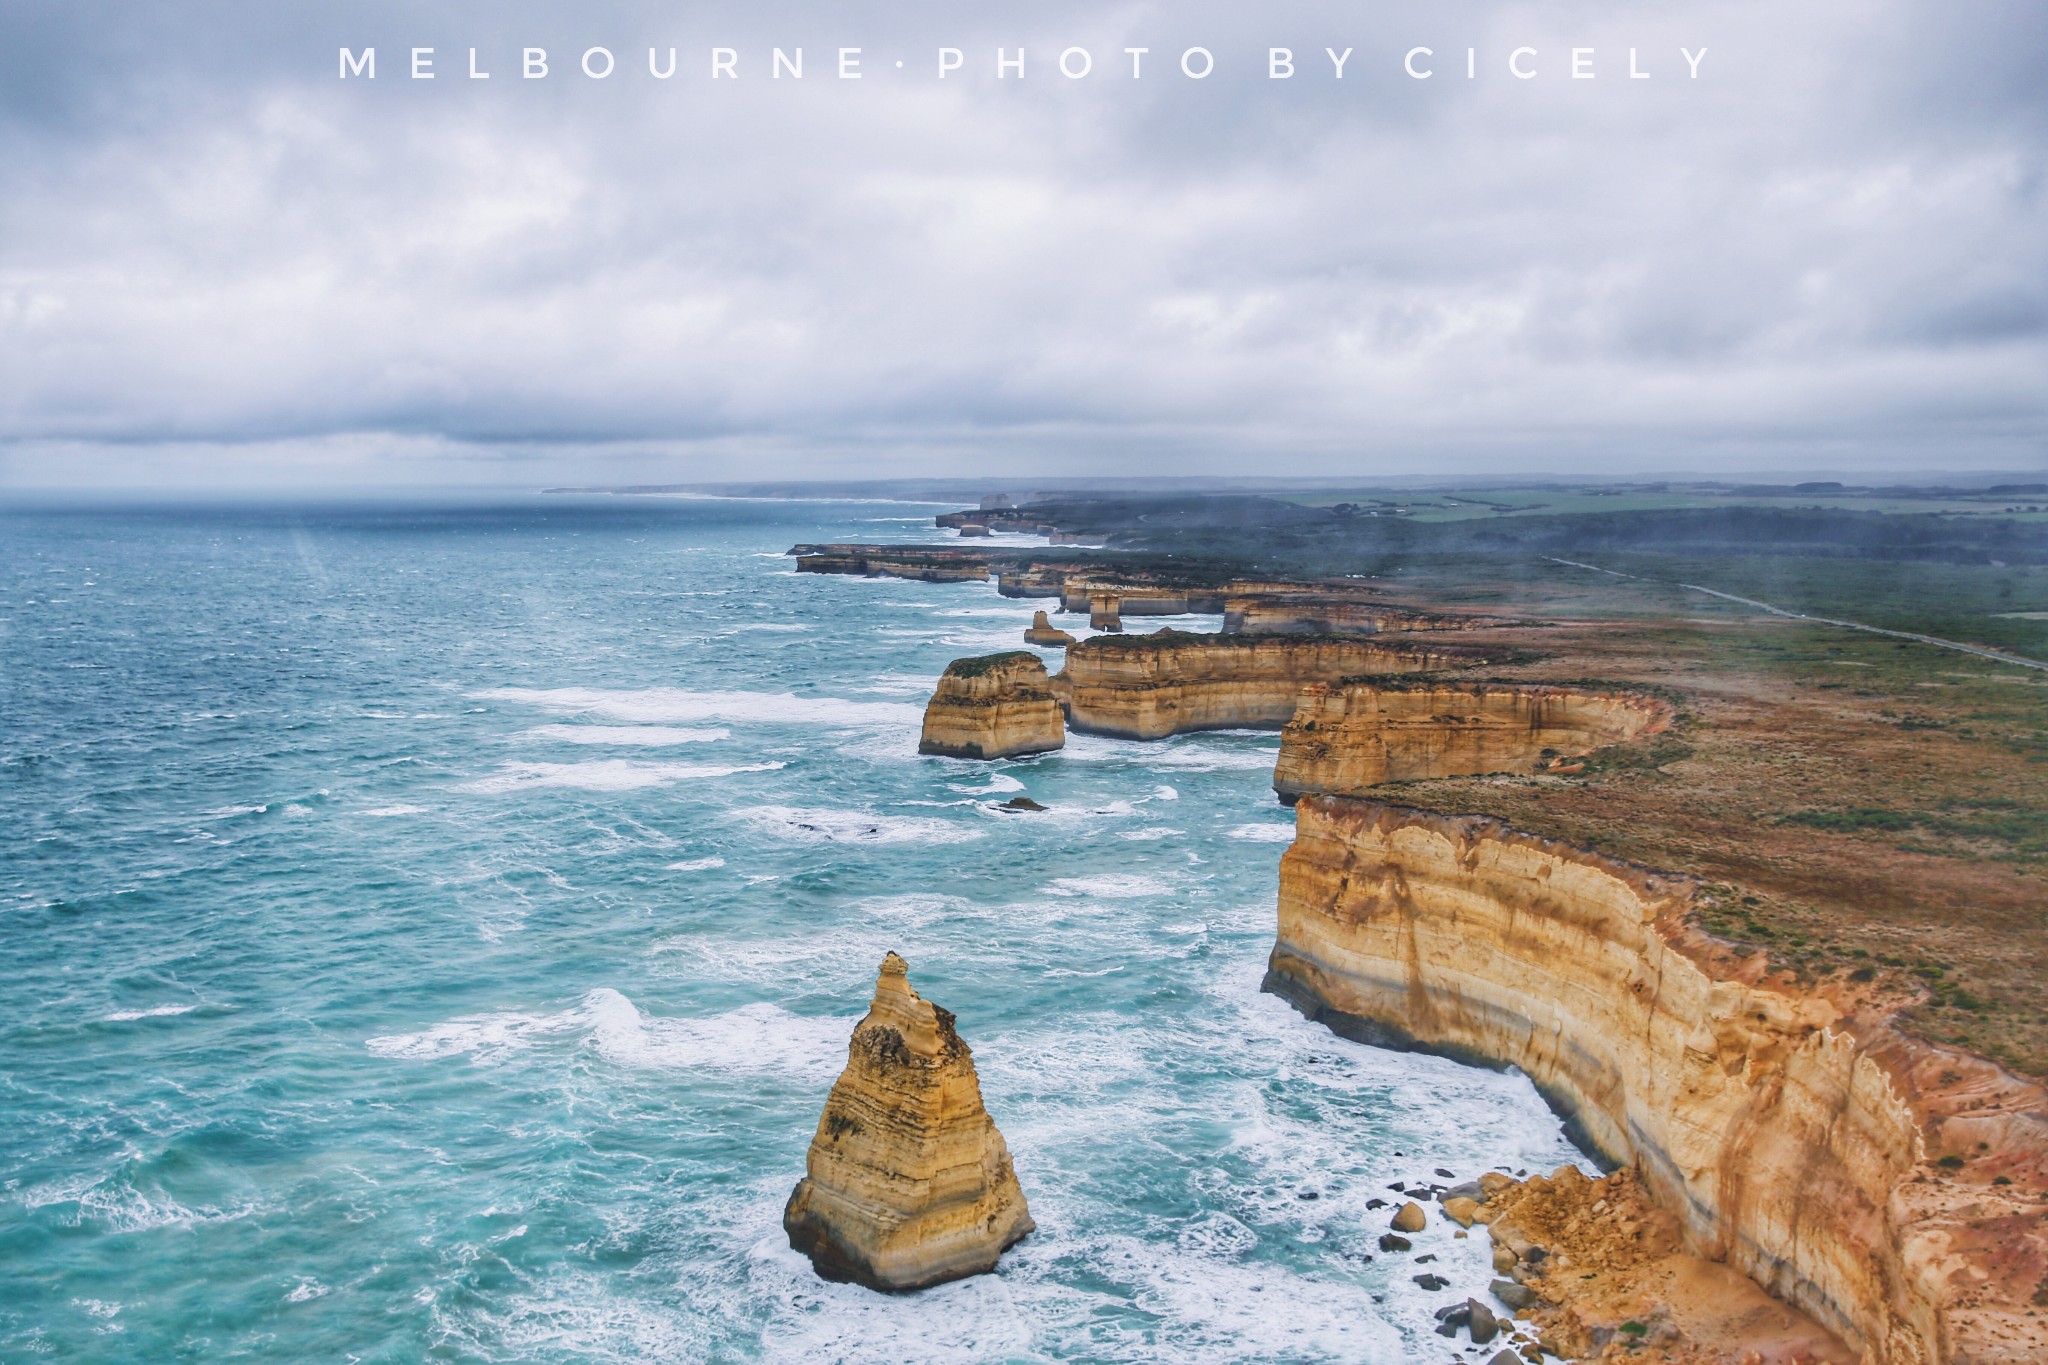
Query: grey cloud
(1830,250)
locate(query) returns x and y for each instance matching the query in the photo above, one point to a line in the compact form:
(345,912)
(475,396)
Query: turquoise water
(431,933)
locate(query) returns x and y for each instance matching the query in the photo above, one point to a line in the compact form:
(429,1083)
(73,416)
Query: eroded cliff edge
(1361,732)
(1171,681)
(1891,1188)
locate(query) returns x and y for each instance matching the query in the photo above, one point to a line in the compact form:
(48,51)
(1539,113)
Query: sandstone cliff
(909,1184)
(927,565)
(1042,631)
(1348,736)
(1794,1134)
(993,706)
(1150,686)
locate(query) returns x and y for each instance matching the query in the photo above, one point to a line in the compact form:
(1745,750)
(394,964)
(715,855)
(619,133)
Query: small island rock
(993,706)
(1042,631)
(909,1184)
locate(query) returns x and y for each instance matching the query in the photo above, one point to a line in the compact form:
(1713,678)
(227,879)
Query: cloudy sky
(221,264)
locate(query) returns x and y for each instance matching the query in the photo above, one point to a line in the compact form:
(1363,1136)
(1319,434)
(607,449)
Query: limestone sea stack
(909,1182)
(1042,631)
(993,706)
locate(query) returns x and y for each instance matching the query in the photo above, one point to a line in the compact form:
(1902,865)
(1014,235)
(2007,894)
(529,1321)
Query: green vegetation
(981,664)
(2019,829)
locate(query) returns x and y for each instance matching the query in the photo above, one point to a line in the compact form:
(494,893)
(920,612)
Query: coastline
(1825,1076)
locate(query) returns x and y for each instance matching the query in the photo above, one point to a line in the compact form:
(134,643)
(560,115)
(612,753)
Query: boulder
(1410,1218)
(1461,1211)
(909,1184)
(1390,1242)
(1482,1322)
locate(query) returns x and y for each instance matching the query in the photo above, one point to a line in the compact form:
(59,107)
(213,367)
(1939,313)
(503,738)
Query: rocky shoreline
(1888,1192)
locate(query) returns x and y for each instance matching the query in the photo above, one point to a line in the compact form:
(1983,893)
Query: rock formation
(1597,1269)
(993,706)
(1346,737)
(1795,1134)
(909,1184)
(1170,682)
(1042,631)
(1307,612)
(1105,611)
(926,564)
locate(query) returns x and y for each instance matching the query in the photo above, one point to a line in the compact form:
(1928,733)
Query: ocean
(432,931)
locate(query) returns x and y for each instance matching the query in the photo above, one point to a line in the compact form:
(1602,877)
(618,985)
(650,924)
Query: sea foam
(606,775)
(681,706)
(642,736)
(825,825)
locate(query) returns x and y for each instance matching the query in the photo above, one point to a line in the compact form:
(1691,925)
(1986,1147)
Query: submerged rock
(909,1182)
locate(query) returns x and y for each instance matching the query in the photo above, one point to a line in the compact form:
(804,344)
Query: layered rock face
(1348,736)
(935,565)
(1031,580)
(1151,686)
(1792,1134)
(908,1182)
(1042,631)
(1135,597)
(993,706)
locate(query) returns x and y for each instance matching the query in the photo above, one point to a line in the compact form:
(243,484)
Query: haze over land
(221,266)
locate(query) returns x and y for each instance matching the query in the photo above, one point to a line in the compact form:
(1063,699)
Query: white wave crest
(1109,886)
(1264,834)
(641,736)
(828,826)
(697,865)
(680,706)
(160,1012)
(606,775)
(997,782)
(759,1038)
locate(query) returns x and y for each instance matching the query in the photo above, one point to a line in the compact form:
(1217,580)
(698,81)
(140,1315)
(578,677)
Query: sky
(222,265)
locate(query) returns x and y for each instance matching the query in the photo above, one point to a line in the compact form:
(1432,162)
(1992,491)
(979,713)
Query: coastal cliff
(1348,736)
(908,1182)
(1890,1188)
(993,706)
(1170,682)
